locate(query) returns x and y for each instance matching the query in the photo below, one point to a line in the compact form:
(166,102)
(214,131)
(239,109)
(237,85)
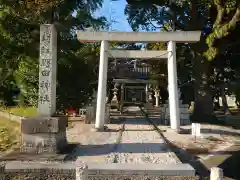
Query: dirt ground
(214,139)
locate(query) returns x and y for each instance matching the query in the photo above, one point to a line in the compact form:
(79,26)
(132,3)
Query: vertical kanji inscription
(47,70)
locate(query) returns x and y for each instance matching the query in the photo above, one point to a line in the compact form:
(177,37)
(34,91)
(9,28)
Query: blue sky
(115,10)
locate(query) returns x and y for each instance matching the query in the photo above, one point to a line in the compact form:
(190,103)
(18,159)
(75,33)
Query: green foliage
(26,78)
(218,21)
(222,16)
(75,77)
(19,48)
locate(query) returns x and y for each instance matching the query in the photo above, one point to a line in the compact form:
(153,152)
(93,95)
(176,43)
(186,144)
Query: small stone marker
(216,174)
(81,172)
(196,129)
(47,70)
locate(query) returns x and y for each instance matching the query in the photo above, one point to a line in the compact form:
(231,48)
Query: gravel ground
(93,146)
(141,144)
(135,141)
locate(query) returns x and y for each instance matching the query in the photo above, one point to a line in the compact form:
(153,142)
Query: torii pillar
(102,86)
(173,87)
(171,37)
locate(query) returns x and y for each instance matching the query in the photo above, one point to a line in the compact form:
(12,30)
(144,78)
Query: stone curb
(37,166)
(91,170)
(141,169)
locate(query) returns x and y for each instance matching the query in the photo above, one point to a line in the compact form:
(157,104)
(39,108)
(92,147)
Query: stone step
(79,170)
(140,170)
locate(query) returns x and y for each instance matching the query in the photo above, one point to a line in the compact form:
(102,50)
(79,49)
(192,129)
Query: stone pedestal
(43,134)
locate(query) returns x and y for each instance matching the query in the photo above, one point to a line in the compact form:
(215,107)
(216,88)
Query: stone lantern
(156,95)
(115,90)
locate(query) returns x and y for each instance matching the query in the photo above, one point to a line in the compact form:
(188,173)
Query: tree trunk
(203,106)
(224,102)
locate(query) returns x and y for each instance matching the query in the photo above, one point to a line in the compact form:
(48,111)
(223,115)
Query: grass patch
(25,112)
(9,134)
(22,111)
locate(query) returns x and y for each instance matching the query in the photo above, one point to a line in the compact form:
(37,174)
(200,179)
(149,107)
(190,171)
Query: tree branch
(220,13)
(159,27)
(220,32)
(235,18)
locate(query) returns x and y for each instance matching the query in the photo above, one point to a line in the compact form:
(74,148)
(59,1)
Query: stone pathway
(140,143)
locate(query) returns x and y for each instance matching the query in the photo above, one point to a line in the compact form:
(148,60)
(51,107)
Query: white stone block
(196,129)
(216,174)
(81,172)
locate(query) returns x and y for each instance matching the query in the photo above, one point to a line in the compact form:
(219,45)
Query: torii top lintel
(177,36)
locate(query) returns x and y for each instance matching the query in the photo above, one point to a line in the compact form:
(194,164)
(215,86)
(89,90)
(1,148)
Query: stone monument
(47,70)
(45,133)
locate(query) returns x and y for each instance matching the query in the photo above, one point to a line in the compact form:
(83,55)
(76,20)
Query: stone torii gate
(171,37)
(47,132)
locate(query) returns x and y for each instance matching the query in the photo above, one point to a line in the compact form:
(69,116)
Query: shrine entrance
(133,92)
(147,37)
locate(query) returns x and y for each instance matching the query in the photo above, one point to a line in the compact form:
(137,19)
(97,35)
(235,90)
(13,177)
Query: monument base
(42,139)
(62,155)
(43,142)
(43,134)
